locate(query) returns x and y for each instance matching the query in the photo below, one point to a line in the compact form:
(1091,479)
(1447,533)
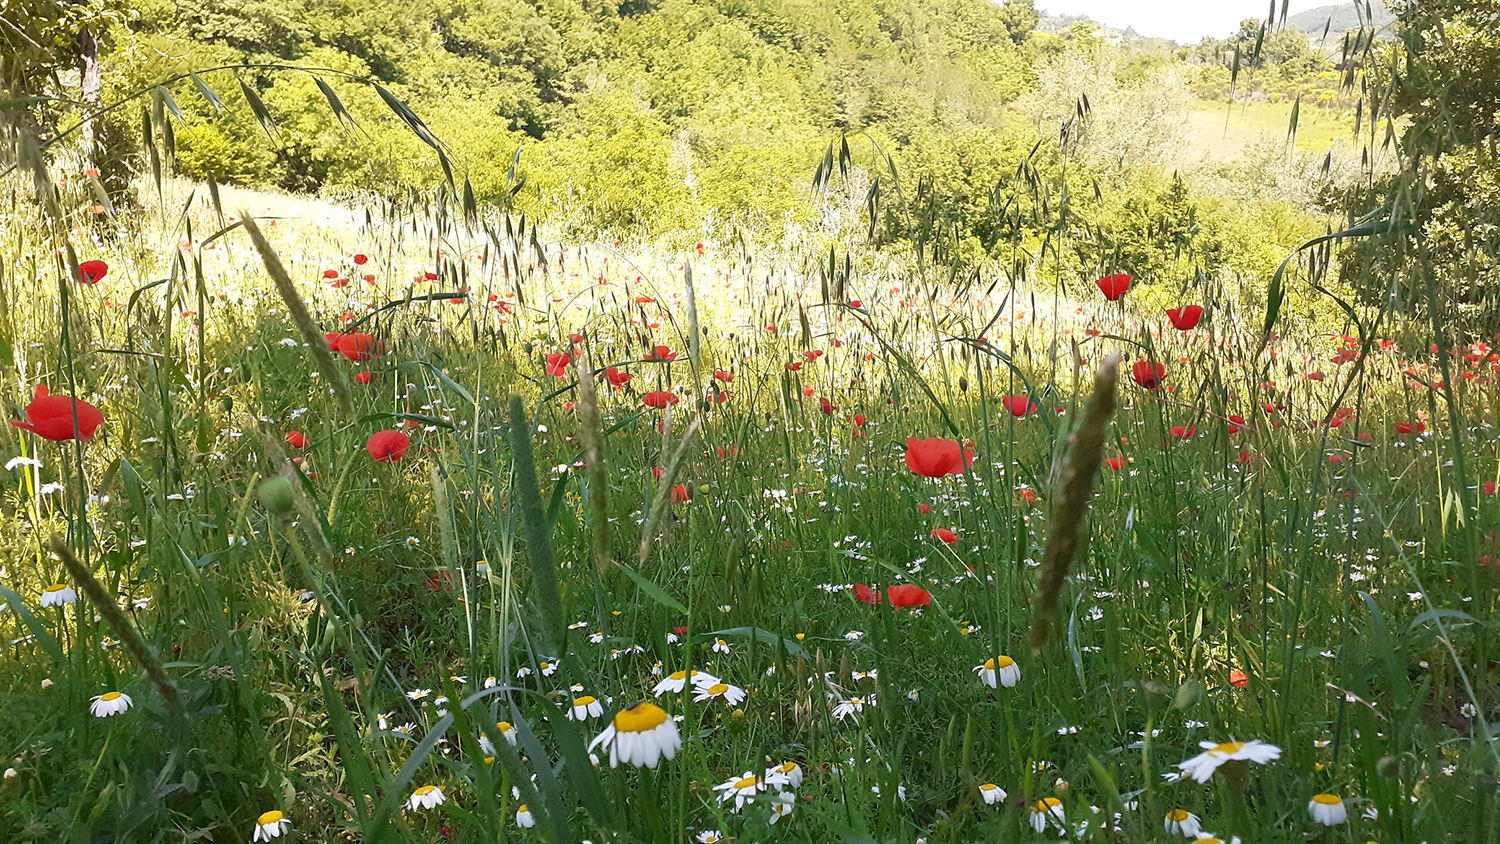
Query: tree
(1020,17)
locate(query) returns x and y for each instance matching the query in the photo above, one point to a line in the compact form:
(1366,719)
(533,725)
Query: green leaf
(43,638)
(654,592)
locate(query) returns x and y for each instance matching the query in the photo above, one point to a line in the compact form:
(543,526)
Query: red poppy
(616,378)
(1408,427)
(659,398)
(908,595)
(859,420)
(1018,406)
(1182,432)
(855,303)
(924,509)
(51,417)
(945,535)
(828,408)
(793,367)
(936,457)
(812,356)
(1234,424)
(364,377)
(680,494)
(387,446)
(1114,286)
(724,375)
(360,259)
(1488,488)
(1244,458)
(1117,463)
(1185,318)
(330,273)
(332,339)
(1147,374)
(440,580)
(557,364)
(867,595)
(89,272)
(575,339)
(1238,679)
(358,346)
(661,354)
(297,439)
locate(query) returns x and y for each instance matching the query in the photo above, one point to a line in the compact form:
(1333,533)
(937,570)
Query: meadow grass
(1289,542)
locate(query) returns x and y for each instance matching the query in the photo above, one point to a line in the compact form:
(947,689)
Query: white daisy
(109,703)
(782,806)
(584,708)
(1001,668)
(721,646)
(426,797)
(678,680)
(270,825)
(639,735)
(709,836)
(790,770)
(1048,809)
(524,817)
(1182,822)
(746,787)
(1202,766)
(992,794)
(851,706)
(731,695)
(58,594)
(505,729)
(1327,809)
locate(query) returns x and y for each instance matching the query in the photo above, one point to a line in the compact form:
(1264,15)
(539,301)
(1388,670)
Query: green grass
(1220,131)
(1350,594)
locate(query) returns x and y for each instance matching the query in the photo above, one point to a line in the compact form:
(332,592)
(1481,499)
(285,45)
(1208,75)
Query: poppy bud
(963,384)
(277,495)
(227,403)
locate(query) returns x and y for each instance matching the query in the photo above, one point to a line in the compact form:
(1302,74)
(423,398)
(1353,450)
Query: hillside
(1338,18)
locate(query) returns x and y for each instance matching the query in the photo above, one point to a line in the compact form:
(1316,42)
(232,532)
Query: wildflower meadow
(403,516)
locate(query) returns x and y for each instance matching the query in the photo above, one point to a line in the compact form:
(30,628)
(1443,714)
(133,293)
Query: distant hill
(1338,19)
(1060,24)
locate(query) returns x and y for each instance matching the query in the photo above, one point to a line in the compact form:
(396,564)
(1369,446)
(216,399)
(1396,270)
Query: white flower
(109,703)
(549,668)
(1327,809)
(1468,710)
(746,787)
(851,706)
(1182,822)
(426,797)
(791,771)
(731,695)
(1001,668)
(639,735)
(1202,766)
(721,646)
(506,730)
(992,794)
(709,836)
(270,825)
(678,680)
(418,694)
(782,806)
(524,818)
(584,708)
(854,635)
(58,594)
(412,542)
(22,461)
(1048,808)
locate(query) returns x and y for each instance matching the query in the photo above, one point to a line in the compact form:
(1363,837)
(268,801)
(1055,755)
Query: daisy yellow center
(426,789)
(1177,815)
(503,726)
(989,786)
(787,767)
(583,701)
(57,587)
(1209,841)
(108,696)
(1228,748)
(546,665)
(641,718)
(269,818)
(1047,804)
(999,662)
(718,689)
(747,782)
(1327,799)
(523,810)
(677,675)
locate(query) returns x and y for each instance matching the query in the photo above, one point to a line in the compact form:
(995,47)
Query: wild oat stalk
(317,346)
(130,638)
(658,510)
(591,432)
(546,590)
(1077,488)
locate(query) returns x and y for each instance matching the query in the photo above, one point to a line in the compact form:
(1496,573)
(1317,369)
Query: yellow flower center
(989,786)
(786,767)
(108,696)
(583,701)
(748,782)
(641,718)
(1047,804)
(57,587)
(1327,799)
(426,789)
(503,726)
(718,688)
(678,675)
(1228,748)
(523,810)
(1177,815)
(269,818)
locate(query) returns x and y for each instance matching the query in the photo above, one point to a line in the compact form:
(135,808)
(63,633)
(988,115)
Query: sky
(1184,21)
